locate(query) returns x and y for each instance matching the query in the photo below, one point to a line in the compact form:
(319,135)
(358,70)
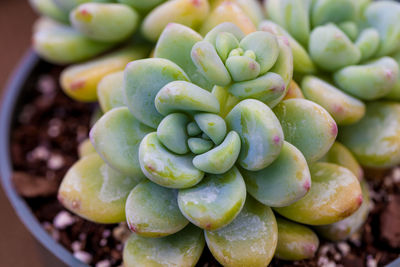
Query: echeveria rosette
(354,48)
(184,149)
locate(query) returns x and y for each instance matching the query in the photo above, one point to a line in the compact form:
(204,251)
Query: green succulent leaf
(94,191)
(325,11)
(199,145)
(260,133)
(268,88)
(341,155)
(110,91)
(185,96)
(344,108)
(94,21)
(209,64)
(334,195)
(343,229)
(222,157)
(143,79)
(86,148)
(375,139)
(215,201)
(142,6)
(384,16)
(116,137)
(172,132)
(302,62)
(292,15)
(152,210)
(228,27)
(307,126)
(265,46)
(212,125)
(295,241)
(250,240)
(188,13)
(283,182)
(368,43)
(49,9)
(175,44)
(331,49)
(166,168)
(61,44)
(369,81)
(178,250)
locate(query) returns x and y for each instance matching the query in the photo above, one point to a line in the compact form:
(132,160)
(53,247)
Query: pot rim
(11,94)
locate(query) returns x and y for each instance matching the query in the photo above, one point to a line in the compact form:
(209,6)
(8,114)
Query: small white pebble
(103,242)
(47,84)
(63,220)
(83,256)
(106,233)
(325,249)
(40,153)
(76,245)
(55,162)
(103,263)
(322,261)
(330,264)
(54,131)
(344,248)
(337,257)
(396,175)
(371,262)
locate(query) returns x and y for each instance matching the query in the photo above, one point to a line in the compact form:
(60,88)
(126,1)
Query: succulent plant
(200,138)
(226,136)
(345,54)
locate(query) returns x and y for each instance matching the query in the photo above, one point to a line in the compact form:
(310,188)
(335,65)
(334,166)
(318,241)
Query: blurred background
(17,246)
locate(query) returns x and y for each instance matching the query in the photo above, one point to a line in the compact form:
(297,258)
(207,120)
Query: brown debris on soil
(47,130)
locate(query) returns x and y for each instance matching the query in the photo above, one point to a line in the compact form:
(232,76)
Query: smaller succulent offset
(200,137)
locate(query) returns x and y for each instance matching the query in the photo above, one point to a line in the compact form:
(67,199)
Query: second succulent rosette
(200,138)
(347,56)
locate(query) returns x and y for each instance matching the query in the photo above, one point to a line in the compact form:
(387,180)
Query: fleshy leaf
(283,182)
(143,79)
(307,126)
(166,168)
(295,241)
(181,249)
(116,137)
(152,210)
(344,108)
(259,131)
(375,139)
(334,195)
(94,191)
(250,240)
(215,201)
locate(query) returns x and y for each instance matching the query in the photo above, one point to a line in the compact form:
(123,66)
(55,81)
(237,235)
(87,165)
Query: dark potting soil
(47,130)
